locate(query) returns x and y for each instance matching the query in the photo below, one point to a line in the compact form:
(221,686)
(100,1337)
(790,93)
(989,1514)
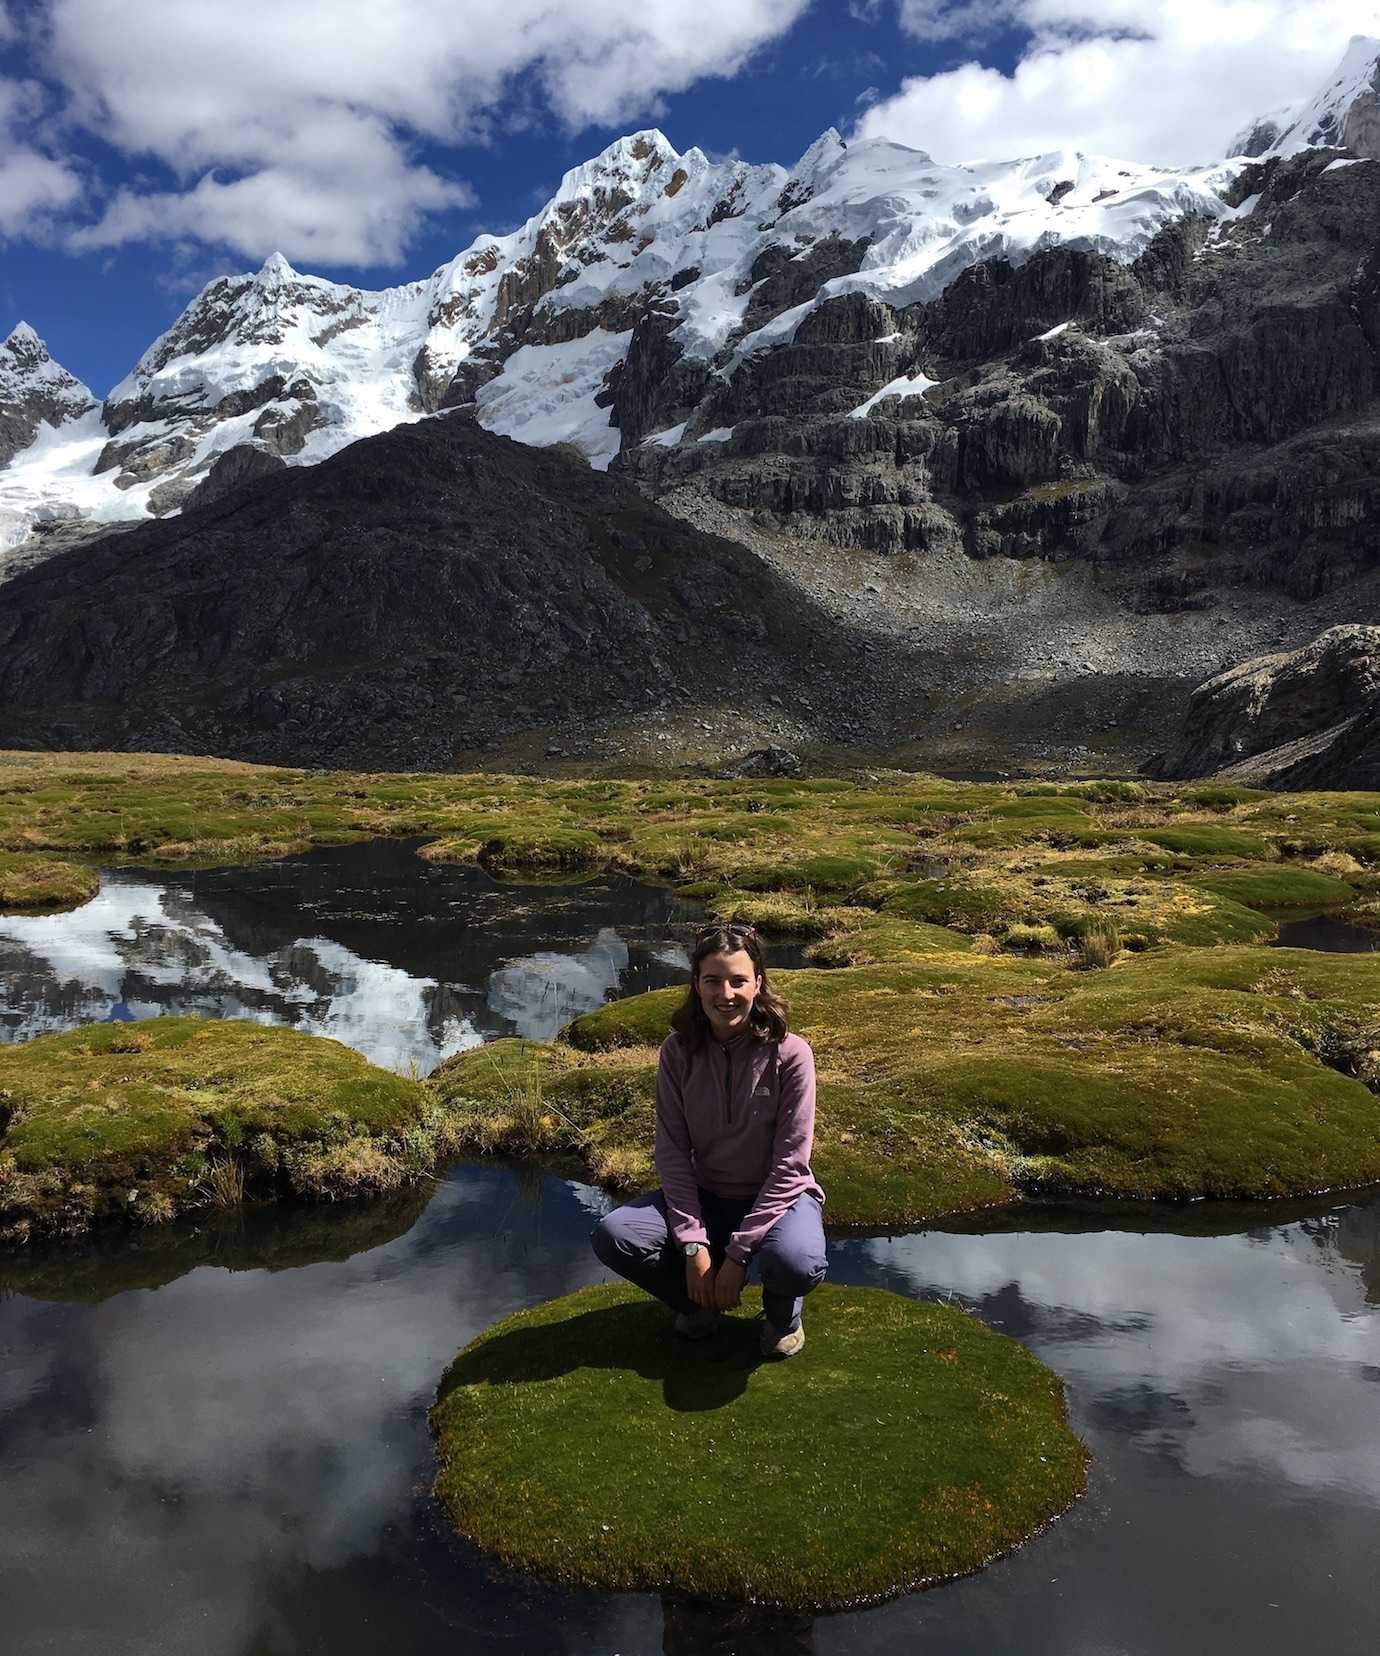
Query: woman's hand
(699,1279)
(728,1284)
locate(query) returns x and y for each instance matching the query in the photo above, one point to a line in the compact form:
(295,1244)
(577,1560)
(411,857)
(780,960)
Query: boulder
(1273,701)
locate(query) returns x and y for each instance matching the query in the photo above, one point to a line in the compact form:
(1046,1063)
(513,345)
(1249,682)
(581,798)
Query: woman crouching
(735,1121)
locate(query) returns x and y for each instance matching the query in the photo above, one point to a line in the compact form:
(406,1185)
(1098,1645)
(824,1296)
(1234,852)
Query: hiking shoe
(777,1344)
(698,1324)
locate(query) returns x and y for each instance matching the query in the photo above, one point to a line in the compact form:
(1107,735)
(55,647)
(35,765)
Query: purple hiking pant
(635,1241)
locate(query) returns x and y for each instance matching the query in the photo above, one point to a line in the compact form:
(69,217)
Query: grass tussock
(37,882)
(557,1449)
(973,1079)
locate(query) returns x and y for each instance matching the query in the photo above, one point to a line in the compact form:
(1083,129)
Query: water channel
(213,1438)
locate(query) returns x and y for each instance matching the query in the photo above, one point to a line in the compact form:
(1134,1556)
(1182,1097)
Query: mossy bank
(906,1444)
(145,1121)
(1034,988)
(966,1081)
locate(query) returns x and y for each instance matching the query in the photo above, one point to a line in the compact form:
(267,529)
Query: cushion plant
(906,1444)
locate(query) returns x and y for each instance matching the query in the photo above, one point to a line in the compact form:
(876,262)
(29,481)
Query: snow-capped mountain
(1344,114)
(44,411)
(531,331)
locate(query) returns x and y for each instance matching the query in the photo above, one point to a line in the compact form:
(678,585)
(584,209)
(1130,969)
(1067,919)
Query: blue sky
(149,145)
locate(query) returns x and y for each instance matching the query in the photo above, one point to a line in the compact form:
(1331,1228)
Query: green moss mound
(38,883)
(1036,985)
(146,1120)
(960,1081)
(906,1444)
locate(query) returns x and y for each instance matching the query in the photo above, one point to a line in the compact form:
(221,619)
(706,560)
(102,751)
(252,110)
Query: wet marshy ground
(213,1436)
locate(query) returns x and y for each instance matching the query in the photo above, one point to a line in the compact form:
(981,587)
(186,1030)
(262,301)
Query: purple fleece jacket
(737,1119)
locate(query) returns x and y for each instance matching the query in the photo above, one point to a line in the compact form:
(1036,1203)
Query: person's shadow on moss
(695,1375)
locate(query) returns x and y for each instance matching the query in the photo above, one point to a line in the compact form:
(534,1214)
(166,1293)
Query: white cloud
(945,20)
(1155,80)
(363,212)
(33,186)
(294,127)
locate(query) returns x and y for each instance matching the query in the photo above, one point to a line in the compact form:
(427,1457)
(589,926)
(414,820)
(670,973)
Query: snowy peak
(1344,113)
(275,271)
(35,392)
(23,338)
(717,260)
(825,150)
(632,161)
(25,366)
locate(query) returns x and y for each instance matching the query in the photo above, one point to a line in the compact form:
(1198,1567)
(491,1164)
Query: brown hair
(769,1012)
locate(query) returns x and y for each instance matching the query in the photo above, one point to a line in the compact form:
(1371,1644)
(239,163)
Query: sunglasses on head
(734,928)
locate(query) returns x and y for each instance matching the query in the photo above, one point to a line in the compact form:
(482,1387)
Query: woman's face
(727,985)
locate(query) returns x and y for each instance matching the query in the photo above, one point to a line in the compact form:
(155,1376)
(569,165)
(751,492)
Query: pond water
(408,961)
(213,1437)
(1328,933)
(217,1440)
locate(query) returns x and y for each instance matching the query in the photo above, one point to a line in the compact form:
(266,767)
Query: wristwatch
(690,1249)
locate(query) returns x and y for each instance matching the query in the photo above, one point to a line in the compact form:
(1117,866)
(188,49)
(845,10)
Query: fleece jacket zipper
(728,1087)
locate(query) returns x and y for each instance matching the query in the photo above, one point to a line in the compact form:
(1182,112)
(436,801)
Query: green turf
(907,1443)
(989,939)
(42,882)
(151,1119)
(958,1081)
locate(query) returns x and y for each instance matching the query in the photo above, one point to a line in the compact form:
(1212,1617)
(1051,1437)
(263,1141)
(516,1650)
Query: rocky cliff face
(1204,418)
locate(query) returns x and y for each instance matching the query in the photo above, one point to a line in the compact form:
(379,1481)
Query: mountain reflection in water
(235,1459)
(405,960)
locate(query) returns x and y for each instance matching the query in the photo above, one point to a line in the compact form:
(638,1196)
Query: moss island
(146,1120)
(579,1440)
(1012,988)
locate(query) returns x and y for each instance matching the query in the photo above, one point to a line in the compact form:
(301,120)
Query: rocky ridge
(409,601)
(532,330)
(1305,718)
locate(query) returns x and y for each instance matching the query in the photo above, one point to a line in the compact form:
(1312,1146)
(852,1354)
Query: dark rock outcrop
(416,594)
(1209,414)
(1309,701)
(237,466)
(1345,756)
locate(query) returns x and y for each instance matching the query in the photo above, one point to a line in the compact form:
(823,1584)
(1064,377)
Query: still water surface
(406,960)
(213,1438)
(220,1445)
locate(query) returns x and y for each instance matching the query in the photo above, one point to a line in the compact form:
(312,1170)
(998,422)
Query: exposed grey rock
(1085,409)
(1275,700)
(767,761)
(1345,756)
